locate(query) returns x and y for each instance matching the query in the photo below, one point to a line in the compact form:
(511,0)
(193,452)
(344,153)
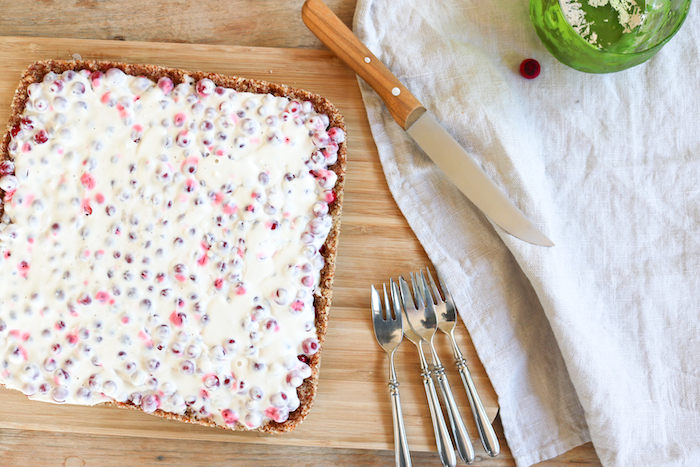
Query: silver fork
(442,435)
(423,321)
(388,329)
(447,321)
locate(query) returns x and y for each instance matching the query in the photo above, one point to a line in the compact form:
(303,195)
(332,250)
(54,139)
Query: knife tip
(540,240)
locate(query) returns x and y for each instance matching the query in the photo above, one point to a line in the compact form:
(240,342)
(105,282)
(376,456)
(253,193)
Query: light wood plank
(353,400)
(21,448)
(261,23)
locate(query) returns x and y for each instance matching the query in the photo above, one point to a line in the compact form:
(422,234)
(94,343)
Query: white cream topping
(160,245)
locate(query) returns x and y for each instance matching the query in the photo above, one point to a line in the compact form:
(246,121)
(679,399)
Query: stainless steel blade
(470,178)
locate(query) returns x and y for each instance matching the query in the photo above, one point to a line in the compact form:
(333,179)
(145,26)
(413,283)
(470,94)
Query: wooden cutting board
(352,408)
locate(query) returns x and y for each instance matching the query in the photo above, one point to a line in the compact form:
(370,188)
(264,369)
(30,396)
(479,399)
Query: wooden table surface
(257,23)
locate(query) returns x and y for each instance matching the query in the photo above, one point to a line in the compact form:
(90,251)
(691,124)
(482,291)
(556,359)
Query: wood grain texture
(258,23)
(255,23)
(22,448)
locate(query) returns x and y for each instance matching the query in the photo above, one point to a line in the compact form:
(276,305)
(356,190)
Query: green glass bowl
(660,21)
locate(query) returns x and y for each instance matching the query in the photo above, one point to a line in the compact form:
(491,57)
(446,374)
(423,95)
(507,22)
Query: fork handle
(442,435)
(401,451)
(459,431)
(483,424)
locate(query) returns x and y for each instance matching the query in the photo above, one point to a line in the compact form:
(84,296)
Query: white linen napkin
(596,338)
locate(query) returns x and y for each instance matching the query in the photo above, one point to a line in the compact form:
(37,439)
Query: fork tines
(388,329)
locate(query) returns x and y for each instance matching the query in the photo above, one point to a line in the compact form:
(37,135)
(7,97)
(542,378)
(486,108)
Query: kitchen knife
(409,113)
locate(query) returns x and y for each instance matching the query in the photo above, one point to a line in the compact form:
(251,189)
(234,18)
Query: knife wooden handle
(403,105)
